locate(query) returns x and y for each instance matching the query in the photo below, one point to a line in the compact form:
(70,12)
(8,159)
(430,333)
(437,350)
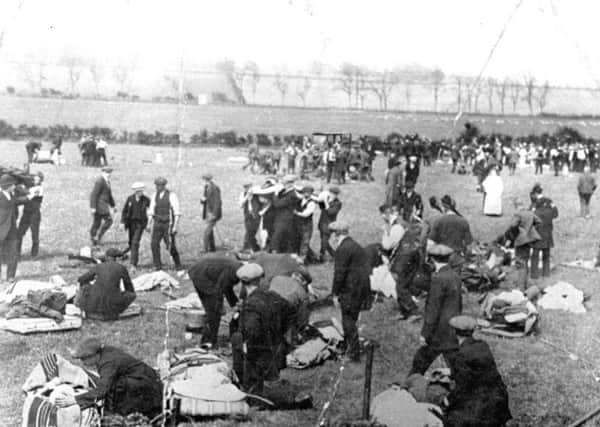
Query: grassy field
(150,117)
(546,387)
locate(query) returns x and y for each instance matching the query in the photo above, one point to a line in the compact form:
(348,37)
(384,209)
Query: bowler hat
(88,347)
(160,181)
(334,190)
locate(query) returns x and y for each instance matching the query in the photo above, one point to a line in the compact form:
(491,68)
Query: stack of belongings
(33,306)
(155,279)
(510,314)
(199,383)
(322,337)
(415,404)
(484,271)
(56,377)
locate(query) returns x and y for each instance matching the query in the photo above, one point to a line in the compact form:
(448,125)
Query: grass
(546,388)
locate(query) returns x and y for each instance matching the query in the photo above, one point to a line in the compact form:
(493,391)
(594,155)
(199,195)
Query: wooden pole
(581,421)
(368,375)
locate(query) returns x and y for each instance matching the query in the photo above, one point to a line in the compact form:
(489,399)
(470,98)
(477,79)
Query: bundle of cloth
(88,255)
(155,279)
(510,314)
(484,269)
(54,377)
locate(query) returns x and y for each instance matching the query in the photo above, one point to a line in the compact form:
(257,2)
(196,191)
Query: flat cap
(138,186)
(107,169)
(438,249)
(86,348)
(334,189)
(463,323)
(308,189)
(289,179)
(339,227)
(160,181)
(249,272)
(207,176)
(113,253)
(6,181)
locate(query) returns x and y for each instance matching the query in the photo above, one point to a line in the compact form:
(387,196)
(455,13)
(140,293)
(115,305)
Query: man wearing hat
(214,278)
(444,301)
(32,148)
(104,300)
(126,385)
(547,212)
(134,218)
(9,239)
(31,217)
(102,206)
(164,214)
(251,208)
(412,168)
(257,332)
(304,224)
(351,284)
(479,397)
(330,206)
(394,182)
(410,204)
(284,205)
(212,211)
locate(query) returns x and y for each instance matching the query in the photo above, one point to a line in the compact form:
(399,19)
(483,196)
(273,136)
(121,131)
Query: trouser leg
(325,246)
(423,359)
(349,319)
(305,251)
(159,231)
(96,222)
(24,225)
(546,262)
(135,236)
(106,223)
(522,254)
(535,262)
(209,236)
(36,219)
(173,251)
(213,305)
(10,255)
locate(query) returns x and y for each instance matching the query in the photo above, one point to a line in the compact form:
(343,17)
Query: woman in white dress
(492,189)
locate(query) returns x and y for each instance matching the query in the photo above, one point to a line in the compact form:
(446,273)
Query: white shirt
(391,238)
(101,143)
(172,199)
(7,194)
(309,208)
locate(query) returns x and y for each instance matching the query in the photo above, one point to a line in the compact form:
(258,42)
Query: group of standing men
(159,214)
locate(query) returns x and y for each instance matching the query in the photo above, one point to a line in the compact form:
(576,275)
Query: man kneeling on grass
(126,385)
(104,299)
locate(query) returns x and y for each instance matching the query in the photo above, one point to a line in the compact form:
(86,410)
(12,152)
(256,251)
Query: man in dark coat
(212,211)
(104,299)
(102,206)
(330,206)
(251,208)
(257,338)
(351,284)
(134,219)
(547,213)
(126,385)
(9,238)
(444,301)
(410,203)
(412,168)
(284,205)
(32,148)
(479,398)
(31,217)
(214,277)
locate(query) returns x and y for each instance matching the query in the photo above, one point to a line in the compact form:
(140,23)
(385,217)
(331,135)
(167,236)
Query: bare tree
(317,69)
(97,72)
(360,86)
(437,78)
(253,72)
(490,90)
(303,88)
(227,68)
(381,85)
(501,91)
(74,66)
(542,95)
(515,93)
(282,86)
(407,92)
(347,81)
(459,94)
(239,74)
(529,84)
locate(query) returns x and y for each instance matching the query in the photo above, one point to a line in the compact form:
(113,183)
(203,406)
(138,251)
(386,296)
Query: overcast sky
(554,40)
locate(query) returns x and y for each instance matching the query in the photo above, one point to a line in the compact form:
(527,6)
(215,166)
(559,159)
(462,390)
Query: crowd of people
(425,254)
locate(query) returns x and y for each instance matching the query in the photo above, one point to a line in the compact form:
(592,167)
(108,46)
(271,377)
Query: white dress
(493,188)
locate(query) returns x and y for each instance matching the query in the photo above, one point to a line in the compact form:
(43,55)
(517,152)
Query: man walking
(586,187)
(351,284)
(31,216)
(134,219)
(164,214)
(212,211)
(102,206)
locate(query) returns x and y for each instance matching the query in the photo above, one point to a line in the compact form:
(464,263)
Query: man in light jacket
(586,187)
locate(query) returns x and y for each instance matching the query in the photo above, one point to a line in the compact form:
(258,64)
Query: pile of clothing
(53,377)
(153,280)
(509,314)
(484,269)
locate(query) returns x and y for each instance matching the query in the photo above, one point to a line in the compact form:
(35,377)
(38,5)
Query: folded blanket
(149,281)
(311,353)
(191,301)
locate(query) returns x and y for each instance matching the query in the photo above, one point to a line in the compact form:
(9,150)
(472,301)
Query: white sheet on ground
(562,296)
(396,407)
(149,281)
(191,301)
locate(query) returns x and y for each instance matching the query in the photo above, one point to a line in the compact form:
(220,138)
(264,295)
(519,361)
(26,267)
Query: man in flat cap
(257,332)
(103,299)
(214,278)
(304,224)
(479,397)
(9,239)
(134,218)
(212,211)
(284,204)
(126,385)
(102,205)
(351,284)
(330,206)
(444,301)
(164,214)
